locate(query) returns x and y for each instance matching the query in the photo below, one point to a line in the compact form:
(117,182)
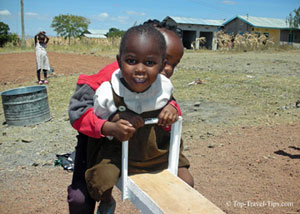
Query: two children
(88,125)
(42,61)
(139,89)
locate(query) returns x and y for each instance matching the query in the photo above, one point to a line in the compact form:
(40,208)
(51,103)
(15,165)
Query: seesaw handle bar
(149,121)
(124,172)
(173,153)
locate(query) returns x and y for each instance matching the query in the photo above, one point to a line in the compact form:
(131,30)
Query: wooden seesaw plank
(163,192)
(172,195)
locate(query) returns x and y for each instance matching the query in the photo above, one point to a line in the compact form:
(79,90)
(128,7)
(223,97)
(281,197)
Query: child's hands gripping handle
(167,116)
(121,129)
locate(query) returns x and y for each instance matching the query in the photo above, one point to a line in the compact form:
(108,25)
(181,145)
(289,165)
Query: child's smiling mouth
(139,80)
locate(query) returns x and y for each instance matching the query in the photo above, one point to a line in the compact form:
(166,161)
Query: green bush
(4,36)
(14,39)
(114,32)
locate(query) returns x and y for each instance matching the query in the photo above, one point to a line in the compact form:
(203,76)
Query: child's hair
(144,30)
(153,22)
(41,36)
(164,24)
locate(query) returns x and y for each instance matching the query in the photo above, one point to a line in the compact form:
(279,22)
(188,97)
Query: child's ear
(119,60)
(164,62)
(163,65)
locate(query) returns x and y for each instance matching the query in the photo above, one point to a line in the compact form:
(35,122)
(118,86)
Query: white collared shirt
(154,98)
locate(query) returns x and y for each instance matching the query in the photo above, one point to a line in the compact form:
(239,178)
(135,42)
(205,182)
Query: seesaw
(163,192)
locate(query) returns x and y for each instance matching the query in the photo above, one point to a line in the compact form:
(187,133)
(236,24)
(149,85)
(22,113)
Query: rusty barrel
(26,105)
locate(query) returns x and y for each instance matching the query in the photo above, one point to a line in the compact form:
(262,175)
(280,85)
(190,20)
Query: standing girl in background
(42,61)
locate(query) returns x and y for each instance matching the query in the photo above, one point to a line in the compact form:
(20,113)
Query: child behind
(42,61)
(137,87)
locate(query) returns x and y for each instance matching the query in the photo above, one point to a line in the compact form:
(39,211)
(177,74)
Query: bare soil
(250,169)
(20,67)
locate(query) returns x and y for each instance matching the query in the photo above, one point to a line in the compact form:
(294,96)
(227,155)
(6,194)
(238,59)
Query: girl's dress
(148,150)
(42,61)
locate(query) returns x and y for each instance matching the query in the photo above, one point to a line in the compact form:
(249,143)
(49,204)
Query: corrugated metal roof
(196,21)
(262,22)
(96,33)
(97,36)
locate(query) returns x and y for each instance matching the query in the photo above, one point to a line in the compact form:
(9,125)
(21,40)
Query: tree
(294,18)
(114,32)
(14,39)
(70,26)
(4,36)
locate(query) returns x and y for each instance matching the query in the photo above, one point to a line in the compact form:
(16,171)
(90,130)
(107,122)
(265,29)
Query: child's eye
(150,63)
(131,61)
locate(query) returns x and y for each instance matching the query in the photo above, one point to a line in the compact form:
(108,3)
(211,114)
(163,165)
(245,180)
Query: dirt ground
(16,66)
(242,170)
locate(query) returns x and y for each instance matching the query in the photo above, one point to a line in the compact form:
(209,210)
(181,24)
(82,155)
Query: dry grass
(108,46)
(246,41)
(259,87)
(60,41)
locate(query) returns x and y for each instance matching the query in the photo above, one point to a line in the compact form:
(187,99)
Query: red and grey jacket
(81,111)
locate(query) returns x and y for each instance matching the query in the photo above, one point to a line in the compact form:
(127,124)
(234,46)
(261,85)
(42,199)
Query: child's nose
(140,67)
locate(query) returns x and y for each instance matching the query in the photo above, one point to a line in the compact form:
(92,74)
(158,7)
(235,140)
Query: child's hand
(122,129)
(136,120)
(167,116)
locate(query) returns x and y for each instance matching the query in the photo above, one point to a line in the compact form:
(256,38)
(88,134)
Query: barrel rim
(6,92)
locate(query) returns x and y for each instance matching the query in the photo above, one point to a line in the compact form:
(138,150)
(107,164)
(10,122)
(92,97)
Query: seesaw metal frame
(130,190)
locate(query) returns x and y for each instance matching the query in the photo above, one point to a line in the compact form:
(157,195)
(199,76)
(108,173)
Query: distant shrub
(114,32)
(6,38)
(4,35)
(14,39)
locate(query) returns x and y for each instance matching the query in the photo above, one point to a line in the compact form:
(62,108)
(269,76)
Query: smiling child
(139,88)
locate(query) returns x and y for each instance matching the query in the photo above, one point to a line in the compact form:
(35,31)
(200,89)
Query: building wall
(284,35)
(198,28)
(274,34)
(196,31)
(237,26)
(296,36)
(290,36)
(190,32)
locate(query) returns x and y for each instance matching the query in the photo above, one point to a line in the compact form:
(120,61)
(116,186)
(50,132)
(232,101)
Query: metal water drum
(26,105)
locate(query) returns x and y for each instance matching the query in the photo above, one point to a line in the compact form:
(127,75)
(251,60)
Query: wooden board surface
(173,195)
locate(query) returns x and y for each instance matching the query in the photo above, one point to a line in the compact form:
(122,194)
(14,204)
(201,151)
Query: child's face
(174,52)
(41,39)
(140,62)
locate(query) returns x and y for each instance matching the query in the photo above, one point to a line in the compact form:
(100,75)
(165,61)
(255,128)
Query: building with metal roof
(262,22)
(196,21)
(277,30)
(194,28)
(93,33)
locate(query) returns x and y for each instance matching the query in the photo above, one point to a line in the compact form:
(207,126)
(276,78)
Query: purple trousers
(78,198)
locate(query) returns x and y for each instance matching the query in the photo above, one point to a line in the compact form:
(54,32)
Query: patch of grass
(261,93)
